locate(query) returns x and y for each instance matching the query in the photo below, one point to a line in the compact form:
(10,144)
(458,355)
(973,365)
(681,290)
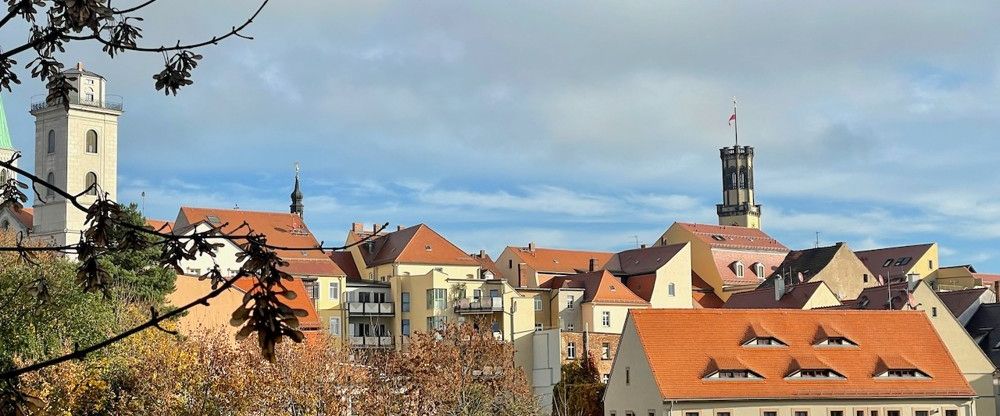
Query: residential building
(917,295)
(659,275)
(17,221)
(739,206)
(836,265)
(963,304)
(730,259)
(809,295)
(984,328)
(964,277)
(76,146)
(531,266)
(897,263)
(591,313)
(784,363)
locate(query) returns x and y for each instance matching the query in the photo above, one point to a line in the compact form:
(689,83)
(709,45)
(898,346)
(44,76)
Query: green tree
(579,391)
(137,276)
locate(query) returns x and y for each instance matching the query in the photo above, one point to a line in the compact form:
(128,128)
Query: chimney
(399,228)
(996,291)
(482,254)
(531,246)
(593,264)
(374,228)
(779,287)
(642,246)
(357,227)
(79,66)
(520,279)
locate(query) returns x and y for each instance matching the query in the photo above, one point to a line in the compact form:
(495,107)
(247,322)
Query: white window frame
(570,299)
(335,326)
(571,350)
(672,289)
(606,319)
(538,304)
(334,291)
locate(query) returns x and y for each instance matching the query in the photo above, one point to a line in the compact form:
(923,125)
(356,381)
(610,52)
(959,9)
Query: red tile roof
(987,278)
(281,228)
(680,358)
(875,259)
(726,236)
(418,244)
(162,226)
(25,216)
(724,260)
(878,298)
(560,261)
(486,263)
(310,322)
(795,297)
(599,286)
(642,260)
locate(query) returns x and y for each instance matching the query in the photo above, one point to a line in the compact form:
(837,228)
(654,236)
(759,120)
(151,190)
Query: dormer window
(737,374)
(902,373)
(764,342)
(738,268)
(836,342)
(758,269)
(815,373)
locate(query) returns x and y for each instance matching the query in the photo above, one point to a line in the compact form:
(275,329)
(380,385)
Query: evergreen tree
(137,277)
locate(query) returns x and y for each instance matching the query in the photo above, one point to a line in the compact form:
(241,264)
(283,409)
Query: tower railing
(110,102)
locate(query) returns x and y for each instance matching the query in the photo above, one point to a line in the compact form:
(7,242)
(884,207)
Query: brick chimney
(482,254)
(642,246)
(357,227)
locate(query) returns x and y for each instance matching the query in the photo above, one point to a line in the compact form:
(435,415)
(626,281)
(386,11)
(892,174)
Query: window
(628,376)
(51,179)
(404,300)
(903,373)
(6,225)
(313,288)
(334,290)
(538,327)
(437,298)
(801,413)
(335,326)
(570,327)
(838,413)
(733,374)
(91,183)
(951,412)
(571,350)
(91,140)
(651,413)
(771,413)
(672,289)
(738,267)
(52,141)
(859,412)
(406,327)
(815,373)
(510,264)
(722,414)
(887,263)
(606,351)
(605,378)
(436,322)
(758,269)
(836,342)
(934,311)
(606,318)
(494,293)
(569,301)
(764,342)
(921,413)
(477,295)
(691,414)
(892,413)
(903,261)
(930,264)
(538,304)
(865,277)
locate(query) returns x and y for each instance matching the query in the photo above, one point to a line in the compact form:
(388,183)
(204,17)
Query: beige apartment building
(784,363)
(531,266)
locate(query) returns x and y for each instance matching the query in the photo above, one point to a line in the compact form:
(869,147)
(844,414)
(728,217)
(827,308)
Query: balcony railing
(370,308)
(111,102)
(371,342)
(481,305)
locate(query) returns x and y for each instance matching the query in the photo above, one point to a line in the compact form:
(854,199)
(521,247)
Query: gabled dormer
(738,268)
(730,369)
(759,270)
(758,336)
(812,368)
(827,336)
(896,367)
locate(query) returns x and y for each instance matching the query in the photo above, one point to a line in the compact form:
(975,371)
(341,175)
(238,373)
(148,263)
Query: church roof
(5,142)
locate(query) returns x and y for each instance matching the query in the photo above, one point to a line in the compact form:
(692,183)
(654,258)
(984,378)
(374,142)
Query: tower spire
(296,206)
(738,205)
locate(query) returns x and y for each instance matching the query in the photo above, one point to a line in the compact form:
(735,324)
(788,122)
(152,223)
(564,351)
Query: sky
(589,125)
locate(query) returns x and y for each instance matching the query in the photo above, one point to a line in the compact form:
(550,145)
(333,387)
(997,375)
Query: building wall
(846,275)
(955,278)
(225,257)
(592,313)
(567,318)
(849,407)
(329,306)
(214,317)
(926,267)
(821,298)
(702,261)
(641,393)
(678,272)
(14,227)
(590,343)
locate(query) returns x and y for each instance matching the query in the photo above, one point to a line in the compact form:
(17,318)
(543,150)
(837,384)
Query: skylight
(717,237)
(887,263)
(214,220)
(903,261)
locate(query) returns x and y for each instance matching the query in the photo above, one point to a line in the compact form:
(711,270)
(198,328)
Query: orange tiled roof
(987,278)
(418,244)
(707,300)
(310,322)
(281,228)
(599,286)
(726,236)
(25,216)
(680,358)
(559,260)
(162,226)
(486,263)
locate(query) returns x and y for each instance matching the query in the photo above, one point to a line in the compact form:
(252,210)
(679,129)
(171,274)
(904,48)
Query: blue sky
(572,124)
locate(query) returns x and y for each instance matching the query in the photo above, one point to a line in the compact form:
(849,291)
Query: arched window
(3,176)
(52,141)
(91,183)
(91,141)
(51,179)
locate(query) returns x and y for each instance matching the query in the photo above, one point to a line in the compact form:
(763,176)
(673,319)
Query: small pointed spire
(296,206)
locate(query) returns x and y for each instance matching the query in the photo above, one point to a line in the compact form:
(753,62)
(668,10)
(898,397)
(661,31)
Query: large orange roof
(599,286)
(680,358)
(281,228)
(560,260)
(310,322)
(162,226)
(418,244)
(729,236)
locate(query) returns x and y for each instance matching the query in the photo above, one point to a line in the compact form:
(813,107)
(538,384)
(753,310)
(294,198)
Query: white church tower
(74,148)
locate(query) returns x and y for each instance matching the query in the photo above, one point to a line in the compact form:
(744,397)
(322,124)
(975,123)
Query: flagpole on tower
(736,127)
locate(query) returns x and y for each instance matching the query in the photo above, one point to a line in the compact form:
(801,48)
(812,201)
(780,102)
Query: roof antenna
(817,239)
(636,241)
(236,205)
(142,203)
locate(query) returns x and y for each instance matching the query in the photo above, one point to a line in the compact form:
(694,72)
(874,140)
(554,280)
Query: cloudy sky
(574,124)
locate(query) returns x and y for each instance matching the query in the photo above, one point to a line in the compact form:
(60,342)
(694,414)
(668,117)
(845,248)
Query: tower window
(91,183)
(52,141)
(51,179)
(91,141)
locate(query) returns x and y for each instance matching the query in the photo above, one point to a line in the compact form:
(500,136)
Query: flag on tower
(732,118)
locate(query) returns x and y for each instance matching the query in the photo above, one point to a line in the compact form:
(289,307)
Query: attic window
(427,247)
(904,261)
(759,270)
(739,374)
(611,288)
(214,220)
(887,263)
(738,268)
(814,373)
(764,342)
(836,342)
(717,237)
(902,373)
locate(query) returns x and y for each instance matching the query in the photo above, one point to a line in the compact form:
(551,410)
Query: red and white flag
(732,119)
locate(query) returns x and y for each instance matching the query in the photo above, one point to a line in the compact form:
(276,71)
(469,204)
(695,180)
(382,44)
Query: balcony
(371,342)
(481,305)
(111,102)
(370,309)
